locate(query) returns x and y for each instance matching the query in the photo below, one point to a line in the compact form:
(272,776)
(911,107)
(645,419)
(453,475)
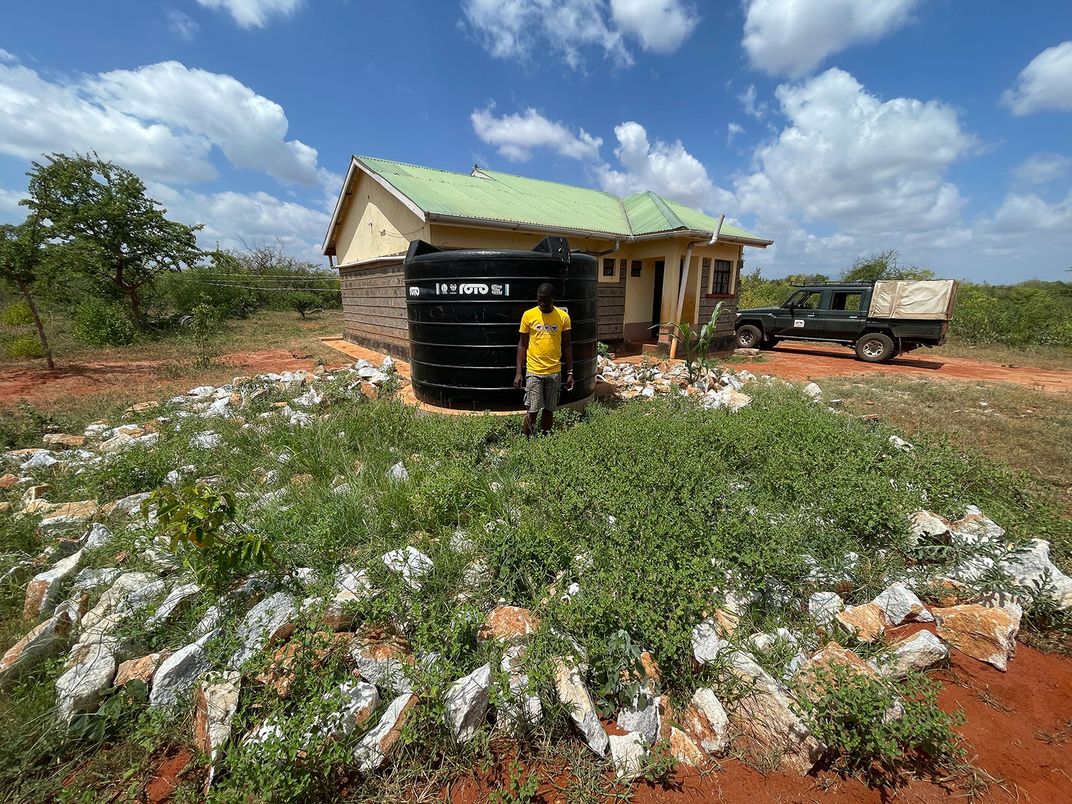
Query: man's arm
(567,355)
(522,351)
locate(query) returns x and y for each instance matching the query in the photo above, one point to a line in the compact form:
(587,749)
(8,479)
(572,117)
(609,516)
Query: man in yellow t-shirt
(545,340)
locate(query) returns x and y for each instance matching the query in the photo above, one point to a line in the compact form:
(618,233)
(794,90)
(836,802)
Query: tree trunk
(135,307)
(25,290)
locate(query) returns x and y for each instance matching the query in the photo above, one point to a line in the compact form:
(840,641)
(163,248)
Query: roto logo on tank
(471,289)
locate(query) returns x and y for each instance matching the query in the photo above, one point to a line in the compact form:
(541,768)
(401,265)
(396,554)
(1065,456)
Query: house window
(720,279)
(637,268)
(608,267)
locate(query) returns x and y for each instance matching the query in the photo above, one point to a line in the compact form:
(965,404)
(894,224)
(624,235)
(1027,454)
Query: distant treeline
(96,248)
(1031,313)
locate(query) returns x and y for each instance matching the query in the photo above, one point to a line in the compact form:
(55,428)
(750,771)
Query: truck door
(846,315)
(798,318)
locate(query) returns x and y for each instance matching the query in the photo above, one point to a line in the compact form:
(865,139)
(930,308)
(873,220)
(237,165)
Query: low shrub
(102,323)
(17,314)
(23,347)
(879,728)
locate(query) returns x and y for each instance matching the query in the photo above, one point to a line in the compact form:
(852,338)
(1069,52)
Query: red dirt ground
(799,361)
(1018,728)
(150,377)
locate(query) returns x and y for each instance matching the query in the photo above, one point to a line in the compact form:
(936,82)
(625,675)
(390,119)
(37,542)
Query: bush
(879,727)
(102,323)
(17,314)
(204,326)
(24,346)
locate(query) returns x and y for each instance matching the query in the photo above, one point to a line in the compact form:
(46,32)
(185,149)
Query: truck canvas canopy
(930,300)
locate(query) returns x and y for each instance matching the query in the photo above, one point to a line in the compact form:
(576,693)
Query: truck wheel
(749,337)
(875,347)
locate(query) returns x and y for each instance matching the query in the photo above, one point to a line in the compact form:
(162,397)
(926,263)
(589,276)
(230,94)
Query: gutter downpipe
(685,278)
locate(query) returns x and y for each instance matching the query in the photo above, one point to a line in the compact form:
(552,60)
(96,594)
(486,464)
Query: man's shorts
(541,392)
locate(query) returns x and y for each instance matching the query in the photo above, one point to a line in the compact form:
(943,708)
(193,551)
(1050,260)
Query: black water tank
(464,310)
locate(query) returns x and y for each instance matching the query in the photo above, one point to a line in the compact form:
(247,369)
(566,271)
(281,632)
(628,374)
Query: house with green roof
(658,260)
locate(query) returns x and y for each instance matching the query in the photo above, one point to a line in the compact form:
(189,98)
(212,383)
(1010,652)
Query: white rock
(215,707)
(1030,567)
(398,473)
(813,391)
(765,642)
(42,459)
(899,604)
(80,688)
(573,694)
(356,703)
(627,754)
(923,525)
(641,716)
(382,665)
(920,652)
(42,593)
(411,562)
(707,641)
(217,408)
(899,443)
(42,642)
(202,391)
(707,722)
(93,578)
(375,747)
(523,707)
(766,718)
(176,599)
(265,622)
(97,536)
(467,703)
(300,419)
(130,505)
(206,440)
(179,672)
(824,606)
(55,525)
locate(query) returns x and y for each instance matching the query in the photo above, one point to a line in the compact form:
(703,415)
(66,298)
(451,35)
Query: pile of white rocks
(712,388)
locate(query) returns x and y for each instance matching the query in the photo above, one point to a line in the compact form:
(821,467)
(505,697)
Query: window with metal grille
(637,268)
(720,280)
(608,267)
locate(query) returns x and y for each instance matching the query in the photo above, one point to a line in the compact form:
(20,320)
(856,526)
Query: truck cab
(902,315)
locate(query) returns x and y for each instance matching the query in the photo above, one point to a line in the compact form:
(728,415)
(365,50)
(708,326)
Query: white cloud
(851,160)
(661,26)
(254,13)
(10,210)
(665,168)
(7,56)
(748,101)
(521,29)
(248,128)
(41,116)
(518,135)
(1042,168)
(732,130)
(183,26)
(1044,84)
(791,37)
(235,219)
(160,121)
(1029,215)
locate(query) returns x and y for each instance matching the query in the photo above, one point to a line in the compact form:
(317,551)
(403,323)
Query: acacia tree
(20,257)
(122,235)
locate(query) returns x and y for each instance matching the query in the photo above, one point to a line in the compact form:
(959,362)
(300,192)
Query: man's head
(545,297)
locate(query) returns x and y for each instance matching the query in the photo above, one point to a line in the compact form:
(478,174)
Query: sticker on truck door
(798,322)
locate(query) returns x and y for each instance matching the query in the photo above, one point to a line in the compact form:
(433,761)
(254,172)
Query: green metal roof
(504,197)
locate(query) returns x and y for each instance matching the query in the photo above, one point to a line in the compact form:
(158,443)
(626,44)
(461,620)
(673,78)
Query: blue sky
(837,128)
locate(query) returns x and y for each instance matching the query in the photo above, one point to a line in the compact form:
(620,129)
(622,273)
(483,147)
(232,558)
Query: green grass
(656,510)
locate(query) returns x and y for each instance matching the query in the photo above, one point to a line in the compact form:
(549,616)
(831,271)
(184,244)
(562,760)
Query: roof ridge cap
(669,214)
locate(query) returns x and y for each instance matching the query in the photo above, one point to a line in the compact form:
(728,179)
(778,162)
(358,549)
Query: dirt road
(800,361)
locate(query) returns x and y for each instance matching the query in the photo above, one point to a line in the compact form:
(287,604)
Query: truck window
(805,300)
(847,300)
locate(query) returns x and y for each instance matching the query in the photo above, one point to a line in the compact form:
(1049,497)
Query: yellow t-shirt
(545,339)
